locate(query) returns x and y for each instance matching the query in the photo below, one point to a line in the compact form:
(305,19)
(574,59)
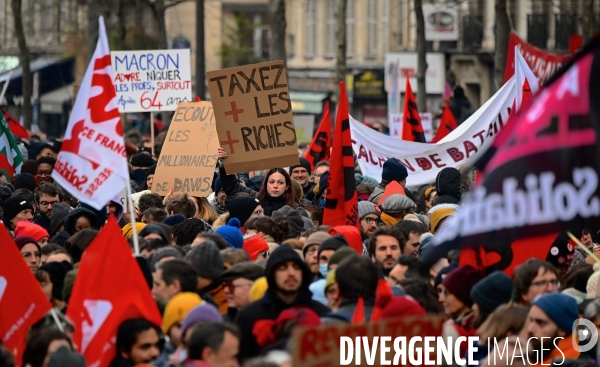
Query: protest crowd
(234,277)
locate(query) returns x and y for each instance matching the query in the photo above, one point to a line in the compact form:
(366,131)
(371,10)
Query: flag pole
(152,132)
(56,320)
(136,245)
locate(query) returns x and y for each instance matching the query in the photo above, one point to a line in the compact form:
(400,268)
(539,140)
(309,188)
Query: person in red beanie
(39,234)
(401,307)
(256,247)
(275,334)
(457,298)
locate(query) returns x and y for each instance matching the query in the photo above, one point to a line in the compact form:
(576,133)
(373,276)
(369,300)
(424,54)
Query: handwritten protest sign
(254,116)
(151,81)
(190,152)
(321,346)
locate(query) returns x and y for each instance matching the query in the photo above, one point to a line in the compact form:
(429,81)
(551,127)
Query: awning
(307,102)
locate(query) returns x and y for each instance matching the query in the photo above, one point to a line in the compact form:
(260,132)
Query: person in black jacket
(447,185)
(288,278)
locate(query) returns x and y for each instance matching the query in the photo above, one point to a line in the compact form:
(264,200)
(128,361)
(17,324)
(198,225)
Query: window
(384,26)
(350,28)
(330,40)
(310,29)
(371,29)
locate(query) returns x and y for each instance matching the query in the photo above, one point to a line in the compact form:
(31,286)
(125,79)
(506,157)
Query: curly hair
(269,227)
(186,231)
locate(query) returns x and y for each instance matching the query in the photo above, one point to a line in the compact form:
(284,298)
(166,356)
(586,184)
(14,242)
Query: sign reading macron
(151,81)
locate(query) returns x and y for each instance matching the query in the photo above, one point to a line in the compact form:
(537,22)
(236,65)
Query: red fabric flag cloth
(108,290)
(341,204)
(447,125)
(14,125)
(319,147)
(22,301)
(359,312)
(412,130)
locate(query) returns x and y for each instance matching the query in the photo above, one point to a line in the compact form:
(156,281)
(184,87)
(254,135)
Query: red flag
(341,204)
(447,125)
(319,147)
(412,130)
(108,290)
(22,301)
(14,125)
(359,312)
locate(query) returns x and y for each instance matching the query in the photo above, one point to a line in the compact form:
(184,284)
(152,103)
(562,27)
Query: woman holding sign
(275,192)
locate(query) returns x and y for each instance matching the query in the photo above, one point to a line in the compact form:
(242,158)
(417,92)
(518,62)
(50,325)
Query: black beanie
(241,207)
(323,182)
(303,163)
(24,181)
(333,243)
(393,170)
(142,160)
(58,271)
(14,205)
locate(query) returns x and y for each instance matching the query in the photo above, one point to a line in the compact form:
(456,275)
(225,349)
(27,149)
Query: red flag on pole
(412,130)
(319,147)
(447,125)
(108,290)
(341,204)
(22,301)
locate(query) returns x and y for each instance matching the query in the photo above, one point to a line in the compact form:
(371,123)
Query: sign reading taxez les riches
(190,152)
(254,117)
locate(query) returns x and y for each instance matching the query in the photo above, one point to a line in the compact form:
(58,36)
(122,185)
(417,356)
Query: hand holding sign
(254,114)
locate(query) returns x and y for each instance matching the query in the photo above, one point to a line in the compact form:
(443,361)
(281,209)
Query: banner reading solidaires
(424,161)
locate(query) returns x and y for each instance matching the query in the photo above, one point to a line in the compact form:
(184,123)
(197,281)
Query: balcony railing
(565,26)
(537,30)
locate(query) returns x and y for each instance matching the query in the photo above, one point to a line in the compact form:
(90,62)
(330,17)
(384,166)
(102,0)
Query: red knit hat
(460,281)
(255,245)
(400,307)
(267,332)
(32,230)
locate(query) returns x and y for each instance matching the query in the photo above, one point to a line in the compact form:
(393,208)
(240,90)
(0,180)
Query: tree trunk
(502,36)
(93,13)
(278,26)
(587,20)
(421,57)
(24,59)
(340,35)
(200,51)
(121,24)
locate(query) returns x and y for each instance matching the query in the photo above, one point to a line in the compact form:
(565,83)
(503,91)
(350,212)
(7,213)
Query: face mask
(323,270)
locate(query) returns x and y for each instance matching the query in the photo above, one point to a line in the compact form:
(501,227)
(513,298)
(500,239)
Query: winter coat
(461,109)
(447,185)
(380,189)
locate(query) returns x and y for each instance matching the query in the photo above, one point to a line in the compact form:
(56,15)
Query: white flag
(522,73)
(92,163)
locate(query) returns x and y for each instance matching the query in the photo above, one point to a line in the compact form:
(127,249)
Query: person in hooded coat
(392,170)
(460,105)
(447,185)
(288,278)
(71,221)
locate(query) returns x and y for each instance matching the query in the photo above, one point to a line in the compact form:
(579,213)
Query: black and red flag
(412,130)
(540,176)
(341,203)
(447,125)
(319,147)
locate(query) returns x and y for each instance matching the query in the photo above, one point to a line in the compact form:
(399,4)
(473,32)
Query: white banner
(423,161)
(406,64)
(92,163)
(395,124)
(151,81)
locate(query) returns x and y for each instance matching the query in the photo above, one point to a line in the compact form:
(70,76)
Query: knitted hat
(58,271)
(460,281)
(142,160)
(323,183)
(314,239)
(333,243)
(396,204)
(560,308)
(72,217)
(203,312)
(173,220)
(177,309)
(303,163)
(24,228)
(241,207)
(593,282)
(5,190)
(24,240)
(59,213)
(438,216)
(207,260)
(366,207)
(64,357)
(258,289)
(330,280)
(340,254)
(255,245)
(154,229)
(231,233)
(293,218)
(24,181)
(128,231)
(492,291)
(217,185)
(152,170)
(443,273)
(393,170)
(164,252)
(14,205)
(246,270)
(401,307)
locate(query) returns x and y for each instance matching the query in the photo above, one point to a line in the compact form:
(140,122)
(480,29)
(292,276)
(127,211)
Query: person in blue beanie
(392,170)
(231,233)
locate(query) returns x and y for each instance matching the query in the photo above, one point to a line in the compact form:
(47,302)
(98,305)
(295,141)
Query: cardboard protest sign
(321,346)
(254,116)
(151,81)
(190,152)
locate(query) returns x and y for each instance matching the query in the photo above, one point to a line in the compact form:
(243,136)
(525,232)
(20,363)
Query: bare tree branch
(24,58)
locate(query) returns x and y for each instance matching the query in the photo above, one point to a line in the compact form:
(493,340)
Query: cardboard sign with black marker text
(254,117)
(190,152)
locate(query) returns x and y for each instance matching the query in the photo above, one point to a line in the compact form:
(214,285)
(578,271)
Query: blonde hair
(207,212)
(505,321)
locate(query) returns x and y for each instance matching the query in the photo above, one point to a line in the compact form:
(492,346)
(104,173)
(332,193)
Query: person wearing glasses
(533,279)
(31,251)
(46,195)
(370,218)
(238,280)
(45,165)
